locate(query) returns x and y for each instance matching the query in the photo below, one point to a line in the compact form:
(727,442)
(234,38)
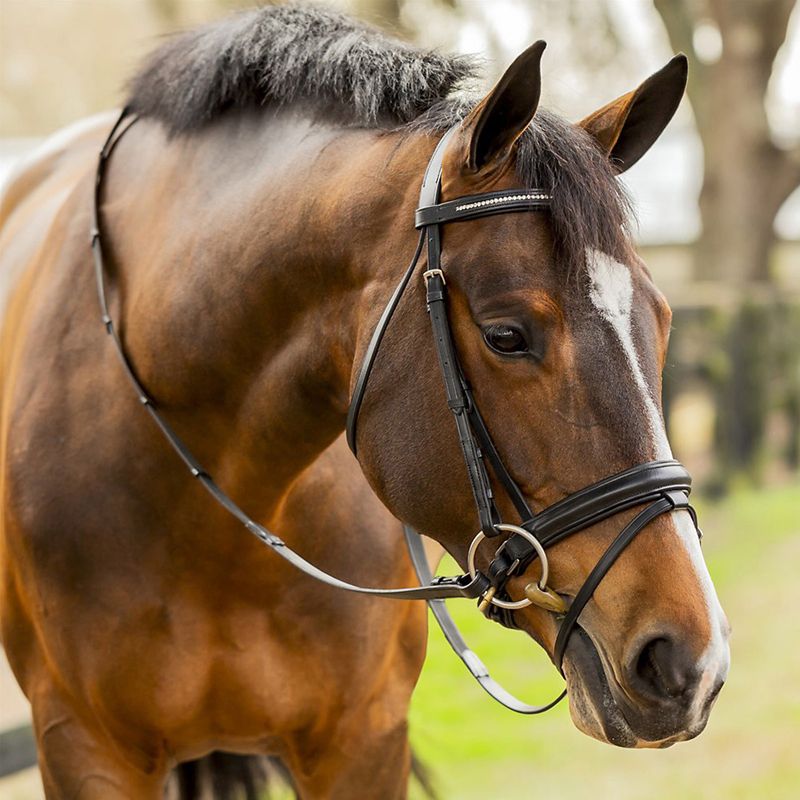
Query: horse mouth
(598,703)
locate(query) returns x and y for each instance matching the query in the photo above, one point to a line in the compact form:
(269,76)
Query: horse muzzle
(661,695)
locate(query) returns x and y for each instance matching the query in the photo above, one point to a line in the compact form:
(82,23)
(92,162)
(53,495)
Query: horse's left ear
(627,127)
(495,124)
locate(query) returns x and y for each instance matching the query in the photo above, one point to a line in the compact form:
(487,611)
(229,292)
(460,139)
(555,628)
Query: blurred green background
(476,749)
(719,226)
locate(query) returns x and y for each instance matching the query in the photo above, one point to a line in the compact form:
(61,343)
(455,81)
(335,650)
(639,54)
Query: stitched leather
(487,204)
(459,400)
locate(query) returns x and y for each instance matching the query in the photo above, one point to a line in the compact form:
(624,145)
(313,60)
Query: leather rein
(663,485)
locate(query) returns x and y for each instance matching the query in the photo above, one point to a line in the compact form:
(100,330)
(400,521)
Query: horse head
(561,336)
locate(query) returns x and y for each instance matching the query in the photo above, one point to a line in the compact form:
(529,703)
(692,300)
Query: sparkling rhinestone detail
(496,201)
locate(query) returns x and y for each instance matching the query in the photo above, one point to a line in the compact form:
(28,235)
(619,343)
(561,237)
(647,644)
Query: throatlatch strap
(372,349)
(430,189)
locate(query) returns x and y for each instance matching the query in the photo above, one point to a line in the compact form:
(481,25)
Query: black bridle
(662,485)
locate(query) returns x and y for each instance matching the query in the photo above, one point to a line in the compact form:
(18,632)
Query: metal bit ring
(535,543)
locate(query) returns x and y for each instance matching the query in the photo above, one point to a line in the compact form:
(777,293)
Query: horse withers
(257,216)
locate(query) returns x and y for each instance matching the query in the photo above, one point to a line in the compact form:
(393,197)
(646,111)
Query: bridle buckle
(543,596)
(428,274)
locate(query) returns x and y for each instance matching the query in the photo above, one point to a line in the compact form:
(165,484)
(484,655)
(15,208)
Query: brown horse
(258,215)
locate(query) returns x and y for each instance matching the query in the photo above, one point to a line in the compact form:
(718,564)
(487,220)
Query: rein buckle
(486,600)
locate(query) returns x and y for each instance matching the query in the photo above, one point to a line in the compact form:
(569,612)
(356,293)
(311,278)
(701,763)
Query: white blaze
(611,293)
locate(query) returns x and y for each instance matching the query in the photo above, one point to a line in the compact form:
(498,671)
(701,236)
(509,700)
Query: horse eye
(506,340)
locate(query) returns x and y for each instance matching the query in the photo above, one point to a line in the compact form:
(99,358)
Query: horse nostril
(663,670)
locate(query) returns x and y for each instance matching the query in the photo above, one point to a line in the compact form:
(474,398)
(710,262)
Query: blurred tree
(732,45)
(747,177)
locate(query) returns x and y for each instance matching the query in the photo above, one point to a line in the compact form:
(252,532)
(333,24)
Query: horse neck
(250,257)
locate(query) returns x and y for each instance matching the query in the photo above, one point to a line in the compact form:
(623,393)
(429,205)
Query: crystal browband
(481,205)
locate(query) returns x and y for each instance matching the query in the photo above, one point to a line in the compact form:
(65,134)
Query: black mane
(349,72)
(279,55)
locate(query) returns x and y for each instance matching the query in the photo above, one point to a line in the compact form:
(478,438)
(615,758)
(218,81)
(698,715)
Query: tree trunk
(746,180)
(746,177)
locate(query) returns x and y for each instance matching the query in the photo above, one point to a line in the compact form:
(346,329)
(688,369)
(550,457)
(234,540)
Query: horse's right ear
(494,125)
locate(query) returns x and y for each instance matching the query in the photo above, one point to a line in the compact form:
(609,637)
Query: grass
(749,750)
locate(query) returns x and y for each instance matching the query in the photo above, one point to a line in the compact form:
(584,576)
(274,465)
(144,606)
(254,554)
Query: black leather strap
(472,432)
(458,401)
(473,663)
(614,551)
(493,457)
(473,206)
(580,510)
(609,497)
